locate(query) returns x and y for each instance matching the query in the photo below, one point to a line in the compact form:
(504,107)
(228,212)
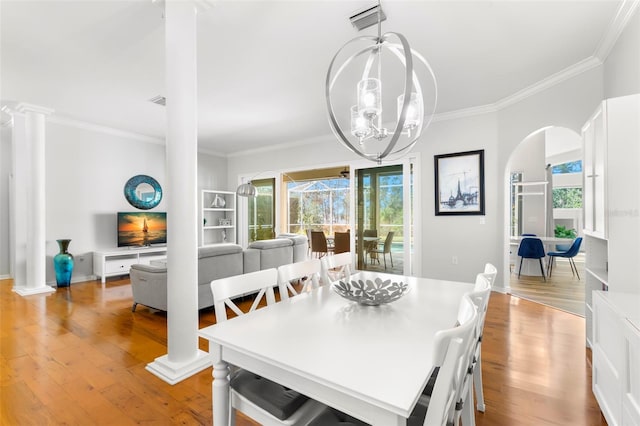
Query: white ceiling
(262,64)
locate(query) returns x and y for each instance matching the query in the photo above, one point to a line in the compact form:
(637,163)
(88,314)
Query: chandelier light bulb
(370,97)
(414,115)
(359,125)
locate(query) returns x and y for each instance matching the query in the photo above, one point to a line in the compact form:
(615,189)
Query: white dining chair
(263,400)
(490,273)
(336,267)
(464,402)
(436,406)
(308,272)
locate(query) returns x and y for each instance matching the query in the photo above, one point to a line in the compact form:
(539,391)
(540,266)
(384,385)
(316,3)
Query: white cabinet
(594,136)
(612,199)
(596,276)
(218,217)
(616,356)
(111,263)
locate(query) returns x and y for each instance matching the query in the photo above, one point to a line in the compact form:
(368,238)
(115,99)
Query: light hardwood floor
(78,357)
(562,290)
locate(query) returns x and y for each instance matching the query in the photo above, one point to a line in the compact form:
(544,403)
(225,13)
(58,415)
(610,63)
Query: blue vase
(63,264)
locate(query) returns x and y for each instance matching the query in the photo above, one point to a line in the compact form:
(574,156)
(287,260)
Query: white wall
(529,159)
(622,66)
(471,239)
(86,170)
(86,173)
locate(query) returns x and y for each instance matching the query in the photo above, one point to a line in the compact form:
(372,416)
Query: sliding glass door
(383,218)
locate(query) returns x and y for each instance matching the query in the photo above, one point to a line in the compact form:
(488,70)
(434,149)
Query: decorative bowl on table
(371,292)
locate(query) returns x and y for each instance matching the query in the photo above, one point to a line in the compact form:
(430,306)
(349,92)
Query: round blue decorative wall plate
(143,192)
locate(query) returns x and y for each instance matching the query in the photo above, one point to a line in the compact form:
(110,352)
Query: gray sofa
(149,283)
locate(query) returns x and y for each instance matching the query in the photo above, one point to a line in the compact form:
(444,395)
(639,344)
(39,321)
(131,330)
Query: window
(567,198)
(567,191)
(262,211)
(570,167)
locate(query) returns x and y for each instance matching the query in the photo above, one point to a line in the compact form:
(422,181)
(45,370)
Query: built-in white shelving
(218,215)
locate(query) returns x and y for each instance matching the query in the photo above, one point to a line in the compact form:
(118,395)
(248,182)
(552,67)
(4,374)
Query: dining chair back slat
(260,283)
(307,271)
(336,267)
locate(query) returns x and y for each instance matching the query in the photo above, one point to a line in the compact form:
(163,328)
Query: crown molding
(548,82)
(466,112)
(618,24)
(214,153)
(79,124)
(283,145)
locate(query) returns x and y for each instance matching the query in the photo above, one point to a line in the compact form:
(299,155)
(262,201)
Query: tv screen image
(142,228)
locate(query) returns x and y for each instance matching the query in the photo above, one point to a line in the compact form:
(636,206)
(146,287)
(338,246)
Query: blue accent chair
(531,248)
(569,254)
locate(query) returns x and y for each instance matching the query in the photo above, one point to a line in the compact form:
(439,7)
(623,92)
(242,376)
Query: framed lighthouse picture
(459,179)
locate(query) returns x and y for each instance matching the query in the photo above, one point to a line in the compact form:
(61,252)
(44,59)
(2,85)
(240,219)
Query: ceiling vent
(159,100)
(367,17)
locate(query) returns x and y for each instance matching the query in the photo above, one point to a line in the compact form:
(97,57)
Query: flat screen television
(142,228)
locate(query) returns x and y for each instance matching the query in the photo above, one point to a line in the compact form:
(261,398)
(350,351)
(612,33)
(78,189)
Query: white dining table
(545,240)
(371,362)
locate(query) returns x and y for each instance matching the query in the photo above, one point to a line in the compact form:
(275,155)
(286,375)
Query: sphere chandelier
(357,117)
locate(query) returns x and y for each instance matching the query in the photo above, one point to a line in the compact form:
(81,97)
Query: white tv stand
(114,262)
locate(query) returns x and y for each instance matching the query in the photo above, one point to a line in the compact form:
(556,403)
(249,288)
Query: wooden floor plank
(78,356)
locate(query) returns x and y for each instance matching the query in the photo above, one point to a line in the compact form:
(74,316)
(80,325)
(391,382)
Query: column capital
(24,107)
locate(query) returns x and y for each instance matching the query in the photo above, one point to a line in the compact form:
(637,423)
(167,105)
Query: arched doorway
(544,175)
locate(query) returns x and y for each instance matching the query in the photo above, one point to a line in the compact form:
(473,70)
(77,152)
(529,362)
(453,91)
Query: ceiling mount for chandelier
(359,121)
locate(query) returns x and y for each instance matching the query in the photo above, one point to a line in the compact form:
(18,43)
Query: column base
(174,372)
(27,291)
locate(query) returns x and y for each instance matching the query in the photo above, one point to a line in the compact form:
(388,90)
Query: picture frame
(459,183)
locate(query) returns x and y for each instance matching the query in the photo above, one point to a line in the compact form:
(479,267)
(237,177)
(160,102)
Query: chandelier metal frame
(405,54)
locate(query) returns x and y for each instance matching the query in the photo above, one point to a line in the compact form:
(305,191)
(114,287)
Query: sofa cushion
(300,246)
(218,250)
(297,239)
(270,244)
(274,253)
(251,260)
(149,268)
(270,396)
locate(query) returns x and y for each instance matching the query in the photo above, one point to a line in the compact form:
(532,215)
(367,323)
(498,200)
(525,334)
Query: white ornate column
(183,358)
(29,240)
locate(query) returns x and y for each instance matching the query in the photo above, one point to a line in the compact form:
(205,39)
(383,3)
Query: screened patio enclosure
(320,205)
